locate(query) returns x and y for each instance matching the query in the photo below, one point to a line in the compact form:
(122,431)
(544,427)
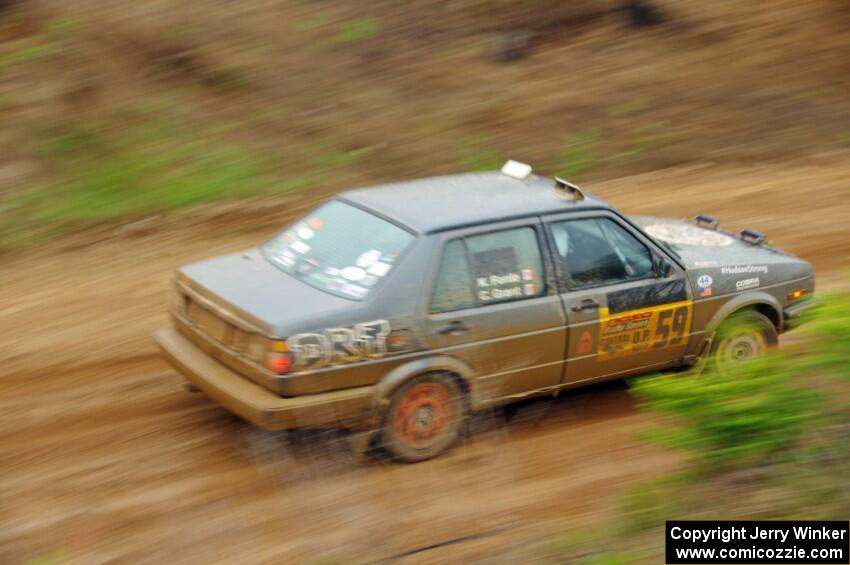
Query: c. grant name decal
(339,345)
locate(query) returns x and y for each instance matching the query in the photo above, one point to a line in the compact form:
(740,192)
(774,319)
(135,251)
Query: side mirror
(663,268)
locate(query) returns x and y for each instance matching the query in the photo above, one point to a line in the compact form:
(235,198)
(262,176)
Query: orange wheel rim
(422,415)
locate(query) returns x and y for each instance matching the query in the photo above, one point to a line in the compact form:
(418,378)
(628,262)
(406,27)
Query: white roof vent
(516,170)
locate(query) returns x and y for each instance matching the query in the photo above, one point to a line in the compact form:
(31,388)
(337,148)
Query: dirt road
(103,458)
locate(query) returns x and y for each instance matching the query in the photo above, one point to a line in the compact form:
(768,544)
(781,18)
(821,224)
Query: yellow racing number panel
(638,331)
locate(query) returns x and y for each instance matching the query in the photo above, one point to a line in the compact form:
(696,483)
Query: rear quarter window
(487,269)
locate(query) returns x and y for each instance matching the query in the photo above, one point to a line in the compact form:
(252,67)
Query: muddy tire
(424,418)
(742,336)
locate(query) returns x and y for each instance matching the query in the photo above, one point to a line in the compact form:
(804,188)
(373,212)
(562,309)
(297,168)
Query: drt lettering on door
(640,330)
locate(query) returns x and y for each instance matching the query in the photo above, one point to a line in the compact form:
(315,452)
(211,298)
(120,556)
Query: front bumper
(349,408)
(797,313)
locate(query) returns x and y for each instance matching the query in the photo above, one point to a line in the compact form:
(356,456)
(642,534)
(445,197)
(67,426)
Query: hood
(251,288)
(720,261)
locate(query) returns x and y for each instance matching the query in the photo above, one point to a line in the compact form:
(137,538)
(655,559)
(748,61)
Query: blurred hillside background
(167,131)
(123,109)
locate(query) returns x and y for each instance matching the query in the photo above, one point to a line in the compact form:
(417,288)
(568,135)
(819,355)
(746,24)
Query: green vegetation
(50,558)
(757,411)
(579,154)
(771,441)
(476,154)
(650,503)
(152,165)
(582,547)
(782,417)
(643,140)
(830,346)
(582,152)
(606,558)
(149,168)
(359,29)
(52,38)
(332,159)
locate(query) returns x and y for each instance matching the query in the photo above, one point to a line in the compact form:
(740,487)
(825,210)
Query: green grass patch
(333,159)
(608,558)
(579,154)
(146,169)
(356,30)
(51,39)
(475,154)
(747,417)
(26,53)
(156,165)
(643,141)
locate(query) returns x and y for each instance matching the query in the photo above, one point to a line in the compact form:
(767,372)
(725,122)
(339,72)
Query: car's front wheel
(424,417)
(745,335)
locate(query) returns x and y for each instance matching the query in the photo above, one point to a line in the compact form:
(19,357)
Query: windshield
(339,248)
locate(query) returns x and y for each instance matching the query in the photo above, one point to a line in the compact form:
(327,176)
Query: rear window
(340,249)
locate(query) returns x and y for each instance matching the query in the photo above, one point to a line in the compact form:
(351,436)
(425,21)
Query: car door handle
(586,304)
(455,327)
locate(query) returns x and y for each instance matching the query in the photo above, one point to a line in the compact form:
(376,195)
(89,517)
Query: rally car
(403,308)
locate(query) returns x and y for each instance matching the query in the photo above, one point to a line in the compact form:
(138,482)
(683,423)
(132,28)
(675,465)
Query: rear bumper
(348,408)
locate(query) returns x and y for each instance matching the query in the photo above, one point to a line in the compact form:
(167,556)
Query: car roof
(445,202)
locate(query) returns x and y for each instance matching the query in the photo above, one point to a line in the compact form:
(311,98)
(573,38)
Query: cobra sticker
(638,331)
(747,284)
(339,345)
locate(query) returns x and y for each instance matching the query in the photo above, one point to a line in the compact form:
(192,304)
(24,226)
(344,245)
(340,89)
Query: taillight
(279,363)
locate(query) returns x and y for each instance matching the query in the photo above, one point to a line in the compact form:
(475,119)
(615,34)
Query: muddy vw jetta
(402,308)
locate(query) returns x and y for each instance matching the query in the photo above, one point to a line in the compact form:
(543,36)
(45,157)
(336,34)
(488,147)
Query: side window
(636,257)
(506,265)
(453,287)
(488,268)
(597,251)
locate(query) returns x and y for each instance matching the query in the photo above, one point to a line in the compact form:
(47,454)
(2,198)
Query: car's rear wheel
(424,417)
(745,335)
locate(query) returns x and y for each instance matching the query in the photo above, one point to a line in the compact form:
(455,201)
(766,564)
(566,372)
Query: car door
(622,316)
(492,301)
